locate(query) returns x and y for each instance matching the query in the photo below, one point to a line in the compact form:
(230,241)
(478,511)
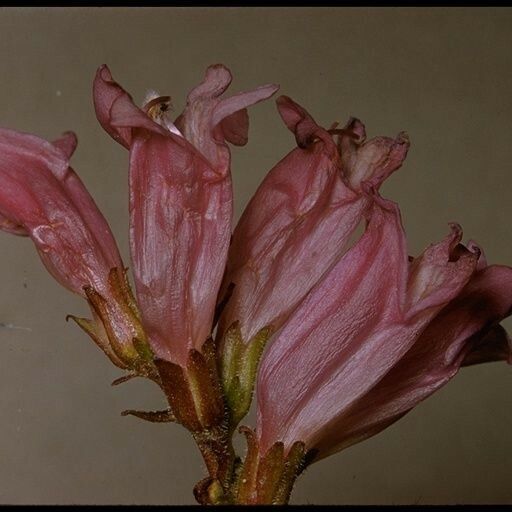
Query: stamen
(158,107)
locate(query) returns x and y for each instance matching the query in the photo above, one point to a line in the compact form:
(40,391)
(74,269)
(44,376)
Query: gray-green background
(444,75)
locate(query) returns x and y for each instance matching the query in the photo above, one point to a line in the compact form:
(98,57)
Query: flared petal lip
(300,122)
(125,115)
(241,100)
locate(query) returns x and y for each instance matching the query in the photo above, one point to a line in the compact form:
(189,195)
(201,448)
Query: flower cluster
(351,334)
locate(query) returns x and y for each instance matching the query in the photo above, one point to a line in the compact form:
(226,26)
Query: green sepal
(294,464)
(270,471)
(268,478)
(238,367)
(89,327)
(143,349)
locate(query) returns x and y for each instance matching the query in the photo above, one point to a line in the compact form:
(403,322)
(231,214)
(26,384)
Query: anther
(157,107)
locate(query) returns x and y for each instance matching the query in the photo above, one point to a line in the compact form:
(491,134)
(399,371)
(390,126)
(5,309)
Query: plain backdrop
(444,75)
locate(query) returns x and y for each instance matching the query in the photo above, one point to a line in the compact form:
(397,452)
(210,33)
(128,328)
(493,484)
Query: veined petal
(97,226)
(125,115)
(180,202)
(105,93)
(216,80)
(116,111)
(302,125)
(351,330)
(370,161)
(334,340)
(296,226)
(464,332)
(180,231)
(85,204)
(435,275)
(208,120)
(41,195)
(45,153)
(239,102)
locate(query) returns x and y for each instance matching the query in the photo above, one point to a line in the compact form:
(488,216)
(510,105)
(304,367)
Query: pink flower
(72,237)
(301,218)
(42,197)
(181,202)
(379,334)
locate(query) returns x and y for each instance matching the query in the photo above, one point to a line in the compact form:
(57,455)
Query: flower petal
(116,111)
(105,93)
(40,195)
(216,80)
(294,228)
(235,127)
(371,161)
(180,226)
(436,274)
(352,329)
(208,120)
(67,144)
(336,339)
(180,203)
(465,332)
(300,122)
(241,101)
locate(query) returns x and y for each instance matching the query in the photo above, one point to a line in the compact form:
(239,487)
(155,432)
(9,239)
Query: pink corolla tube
(42,197)
(379,334)
(301,219)
(181,201)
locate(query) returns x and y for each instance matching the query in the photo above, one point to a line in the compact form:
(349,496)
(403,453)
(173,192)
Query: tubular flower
(465,332)
(42,197)
(301,218)
(363,332)
(181,201)
(377,335)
